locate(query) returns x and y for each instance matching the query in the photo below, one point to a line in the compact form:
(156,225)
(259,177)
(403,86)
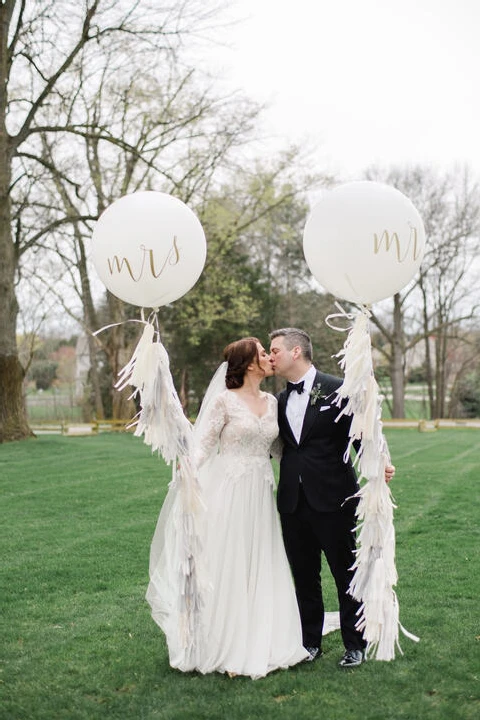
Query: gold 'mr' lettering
(393,239)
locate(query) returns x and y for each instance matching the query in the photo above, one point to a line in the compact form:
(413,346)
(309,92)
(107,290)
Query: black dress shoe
(315,653)
(352,658)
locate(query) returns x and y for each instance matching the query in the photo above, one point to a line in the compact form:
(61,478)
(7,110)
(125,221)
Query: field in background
(52,405)
(60,404)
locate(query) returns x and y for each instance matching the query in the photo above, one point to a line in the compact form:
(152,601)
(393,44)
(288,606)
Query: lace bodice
(232,428)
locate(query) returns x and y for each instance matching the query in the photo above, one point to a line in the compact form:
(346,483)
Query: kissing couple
(263,608)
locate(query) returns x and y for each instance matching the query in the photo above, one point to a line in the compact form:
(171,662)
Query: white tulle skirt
(249,622)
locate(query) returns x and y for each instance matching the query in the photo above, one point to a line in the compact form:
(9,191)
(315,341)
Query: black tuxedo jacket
(318,458)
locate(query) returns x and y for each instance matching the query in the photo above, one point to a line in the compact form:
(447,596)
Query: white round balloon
(364,241)
(149,248)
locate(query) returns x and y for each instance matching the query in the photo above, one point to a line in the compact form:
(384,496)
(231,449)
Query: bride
(249,622)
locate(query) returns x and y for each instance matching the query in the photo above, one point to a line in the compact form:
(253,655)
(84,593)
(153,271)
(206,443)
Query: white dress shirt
(297,403)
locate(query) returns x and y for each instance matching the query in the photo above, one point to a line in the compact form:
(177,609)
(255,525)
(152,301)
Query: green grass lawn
(77,517)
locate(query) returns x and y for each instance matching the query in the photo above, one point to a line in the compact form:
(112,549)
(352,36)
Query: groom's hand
(389,472)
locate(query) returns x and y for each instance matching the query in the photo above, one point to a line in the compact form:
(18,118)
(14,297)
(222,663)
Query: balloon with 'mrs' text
(149,248)
(364,241)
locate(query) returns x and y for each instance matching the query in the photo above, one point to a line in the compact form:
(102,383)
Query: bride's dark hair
(239,355)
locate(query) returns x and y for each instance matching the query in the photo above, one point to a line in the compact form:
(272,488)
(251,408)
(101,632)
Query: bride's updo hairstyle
(239,355)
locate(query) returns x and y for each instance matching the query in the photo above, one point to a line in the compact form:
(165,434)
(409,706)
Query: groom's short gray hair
(295,336)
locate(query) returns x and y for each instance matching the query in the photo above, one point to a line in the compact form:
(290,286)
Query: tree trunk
(442,372)
(429,377)
(397,361)
(91,322)
(96,386)
(13,416)
(123,408)
(428,354)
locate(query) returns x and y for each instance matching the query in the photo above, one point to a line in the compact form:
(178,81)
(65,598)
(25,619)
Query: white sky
(365,81)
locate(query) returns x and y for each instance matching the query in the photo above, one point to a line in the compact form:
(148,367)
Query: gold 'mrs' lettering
(172,258)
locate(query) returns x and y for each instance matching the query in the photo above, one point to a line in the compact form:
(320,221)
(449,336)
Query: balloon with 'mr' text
(149,248)
(364,241)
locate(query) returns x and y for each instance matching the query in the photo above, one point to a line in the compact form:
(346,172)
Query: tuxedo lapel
(310,413)
(282,417)
(308,420)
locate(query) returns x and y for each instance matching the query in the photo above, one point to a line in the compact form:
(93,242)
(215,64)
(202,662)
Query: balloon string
(345,315)
(151,320)
(157,324)
(107,327)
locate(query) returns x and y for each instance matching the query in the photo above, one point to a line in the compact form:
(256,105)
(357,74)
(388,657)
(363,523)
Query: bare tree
(448,286)
(444,297)
(50,54)
(179,137)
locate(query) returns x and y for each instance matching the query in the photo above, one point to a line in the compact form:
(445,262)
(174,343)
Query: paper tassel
(161,419)
(375,573)
(165,428)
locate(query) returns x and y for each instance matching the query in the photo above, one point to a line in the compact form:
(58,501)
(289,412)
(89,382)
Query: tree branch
(24,131)
(54,225)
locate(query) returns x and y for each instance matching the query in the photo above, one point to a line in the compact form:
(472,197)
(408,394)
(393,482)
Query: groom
(315,490)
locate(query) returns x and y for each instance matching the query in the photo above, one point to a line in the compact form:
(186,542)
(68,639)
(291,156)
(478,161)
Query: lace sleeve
(207,434)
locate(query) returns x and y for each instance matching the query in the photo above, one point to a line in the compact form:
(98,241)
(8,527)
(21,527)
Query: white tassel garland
(165,428)
(375,572)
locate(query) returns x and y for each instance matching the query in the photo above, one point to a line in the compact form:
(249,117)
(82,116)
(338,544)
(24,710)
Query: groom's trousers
(307,534)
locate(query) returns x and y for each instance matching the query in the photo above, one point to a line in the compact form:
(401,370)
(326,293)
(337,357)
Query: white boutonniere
(316,394)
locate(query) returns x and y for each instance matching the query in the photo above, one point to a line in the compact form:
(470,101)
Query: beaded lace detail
(236,431)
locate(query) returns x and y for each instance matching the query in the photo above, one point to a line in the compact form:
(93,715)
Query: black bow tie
(292,386)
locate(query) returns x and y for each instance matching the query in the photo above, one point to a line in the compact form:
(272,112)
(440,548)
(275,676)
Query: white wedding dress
(249,623)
